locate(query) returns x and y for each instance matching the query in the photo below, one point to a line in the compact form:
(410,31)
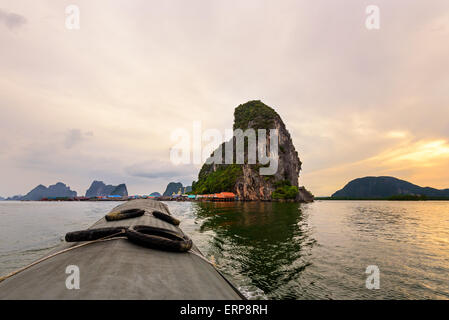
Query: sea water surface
(275,250)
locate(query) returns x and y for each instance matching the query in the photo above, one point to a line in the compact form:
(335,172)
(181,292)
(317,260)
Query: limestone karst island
(245,180)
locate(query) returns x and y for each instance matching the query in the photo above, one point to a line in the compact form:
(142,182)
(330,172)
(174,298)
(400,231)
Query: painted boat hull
(119,269)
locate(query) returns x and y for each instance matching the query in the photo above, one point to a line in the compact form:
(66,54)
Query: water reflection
(267,245)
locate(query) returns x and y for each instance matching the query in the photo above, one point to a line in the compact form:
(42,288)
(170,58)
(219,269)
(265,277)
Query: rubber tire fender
(93,234)
(167,218)
(158,238)
(124,214)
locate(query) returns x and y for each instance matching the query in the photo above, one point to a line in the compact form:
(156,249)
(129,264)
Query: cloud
(74,137)
(426,153)
(12,20)
(422,162)
(156,169)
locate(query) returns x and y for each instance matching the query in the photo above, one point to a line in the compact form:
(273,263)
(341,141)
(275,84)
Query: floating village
(222,196)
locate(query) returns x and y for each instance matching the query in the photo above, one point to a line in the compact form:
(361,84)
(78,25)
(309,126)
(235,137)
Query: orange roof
(220,195)
(228,194)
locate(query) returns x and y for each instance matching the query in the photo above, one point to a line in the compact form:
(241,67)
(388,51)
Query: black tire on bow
(159,238)
(167,218)
(124,214)
(93,234)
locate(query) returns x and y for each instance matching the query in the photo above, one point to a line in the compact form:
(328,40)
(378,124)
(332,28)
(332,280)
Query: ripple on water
(277,250)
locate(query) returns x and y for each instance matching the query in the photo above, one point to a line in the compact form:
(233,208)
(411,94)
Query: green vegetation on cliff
(259,114)
(221,180)
(284,190)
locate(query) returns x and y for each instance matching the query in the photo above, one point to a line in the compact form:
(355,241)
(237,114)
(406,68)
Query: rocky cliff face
(245,179)
(120,190)
(58,190)
(99,189)
(175,187)
(172,187)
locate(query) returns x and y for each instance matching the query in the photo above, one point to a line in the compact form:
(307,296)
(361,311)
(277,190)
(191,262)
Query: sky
(102,101)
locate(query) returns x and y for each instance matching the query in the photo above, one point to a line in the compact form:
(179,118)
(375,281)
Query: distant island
(387,188)
(176,188)
(14,198)
(155,194)
(57,190)
(100,189)
(60,191)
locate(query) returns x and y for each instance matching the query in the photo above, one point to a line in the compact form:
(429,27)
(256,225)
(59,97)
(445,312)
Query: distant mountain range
(176,187)
(15,198)
(385,187)
(155,194)
(60,190)
(99,189)
(57,190)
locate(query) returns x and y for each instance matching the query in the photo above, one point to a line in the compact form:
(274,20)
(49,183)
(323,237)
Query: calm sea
(277,250)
